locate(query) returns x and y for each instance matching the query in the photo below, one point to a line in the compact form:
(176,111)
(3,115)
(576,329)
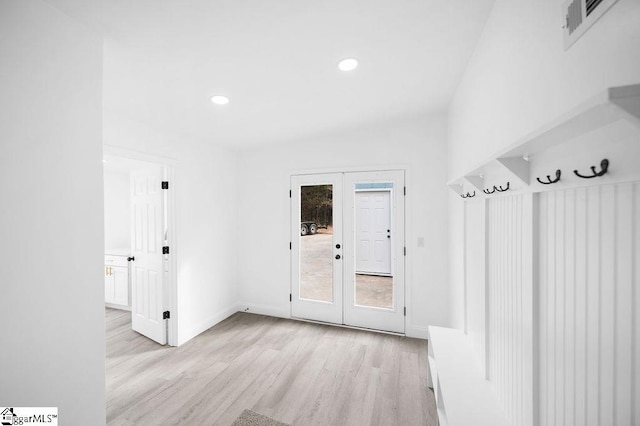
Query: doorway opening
(348,249)
(139,228)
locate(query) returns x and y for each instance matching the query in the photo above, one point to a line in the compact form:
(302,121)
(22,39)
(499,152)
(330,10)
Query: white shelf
(613,115)
(463,396)
(614,104)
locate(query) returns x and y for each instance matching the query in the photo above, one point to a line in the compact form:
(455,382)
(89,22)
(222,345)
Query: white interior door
(374,297)
(373,232)
(352,271)
(147,234)
(316,291)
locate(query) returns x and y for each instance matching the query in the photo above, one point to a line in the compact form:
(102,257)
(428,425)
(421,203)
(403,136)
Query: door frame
(170,278)
(408,226)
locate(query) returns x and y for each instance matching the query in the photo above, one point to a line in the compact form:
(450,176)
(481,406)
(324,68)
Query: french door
(347,234)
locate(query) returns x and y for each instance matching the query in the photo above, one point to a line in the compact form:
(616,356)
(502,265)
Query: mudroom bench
(463,396)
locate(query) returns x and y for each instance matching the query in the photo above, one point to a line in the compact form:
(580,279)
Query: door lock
(337,256)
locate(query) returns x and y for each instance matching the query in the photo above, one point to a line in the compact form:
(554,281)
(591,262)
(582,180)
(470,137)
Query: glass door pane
(316,242)
(316,247)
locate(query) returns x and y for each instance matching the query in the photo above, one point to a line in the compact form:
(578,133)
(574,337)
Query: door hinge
(289,193)
(405,311)
(405,250)
(290,298)
(165,184)
(166,315)
(165,250)
(290,245)
(405,190)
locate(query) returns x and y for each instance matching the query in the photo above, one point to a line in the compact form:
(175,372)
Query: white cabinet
(116,280)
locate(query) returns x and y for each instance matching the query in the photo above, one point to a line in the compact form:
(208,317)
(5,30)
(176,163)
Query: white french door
(147,238)
(374,227)
(347,234)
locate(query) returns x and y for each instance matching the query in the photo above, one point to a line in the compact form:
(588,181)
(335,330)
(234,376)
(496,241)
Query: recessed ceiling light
(219,100)
(348,64)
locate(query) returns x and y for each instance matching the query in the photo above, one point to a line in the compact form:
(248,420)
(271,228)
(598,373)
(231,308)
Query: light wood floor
(295,372)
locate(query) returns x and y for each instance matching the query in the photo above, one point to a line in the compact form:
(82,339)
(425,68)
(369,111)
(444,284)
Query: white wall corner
(189,334)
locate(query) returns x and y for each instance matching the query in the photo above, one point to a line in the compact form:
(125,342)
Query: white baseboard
(417,332)
(271,311)
(187,335)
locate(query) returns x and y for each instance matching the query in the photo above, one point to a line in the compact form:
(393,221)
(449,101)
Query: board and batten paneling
(474,277)
(589,255)
(509,302)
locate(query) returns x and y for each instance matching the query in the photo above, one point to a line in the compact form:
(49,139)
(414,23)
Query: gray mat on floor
(251,418)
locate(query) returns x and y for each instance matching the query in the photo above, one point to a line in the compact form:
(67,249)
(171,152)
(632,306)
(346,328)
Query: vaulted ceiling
(277,63)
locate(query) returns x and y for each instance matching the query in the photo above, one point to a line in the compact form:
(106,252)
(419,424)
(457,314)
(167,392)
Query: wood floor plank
(295,372)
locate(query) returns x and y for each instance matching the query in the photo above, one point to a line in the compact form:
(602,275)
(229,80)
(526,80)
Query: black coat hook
(467,195)
(549,181)
(488,191)
(501,189)
(604,165)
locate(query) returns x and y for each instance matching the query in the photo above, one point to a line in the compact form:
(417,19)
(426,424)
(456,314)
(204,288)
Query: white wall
(206,219)
(263,252)
(520,78)
(51,214)
(117,209)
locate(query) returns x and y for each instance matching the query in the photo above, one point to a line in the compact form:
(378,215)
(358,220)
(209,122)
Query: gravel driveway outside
(316,268)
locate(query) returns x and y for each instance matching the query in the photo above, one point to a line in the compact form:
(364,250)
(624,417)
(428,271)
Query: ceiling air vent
(579,15)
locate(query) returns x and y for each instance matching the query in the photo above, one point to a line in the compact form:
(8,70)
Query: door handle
(337,256)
